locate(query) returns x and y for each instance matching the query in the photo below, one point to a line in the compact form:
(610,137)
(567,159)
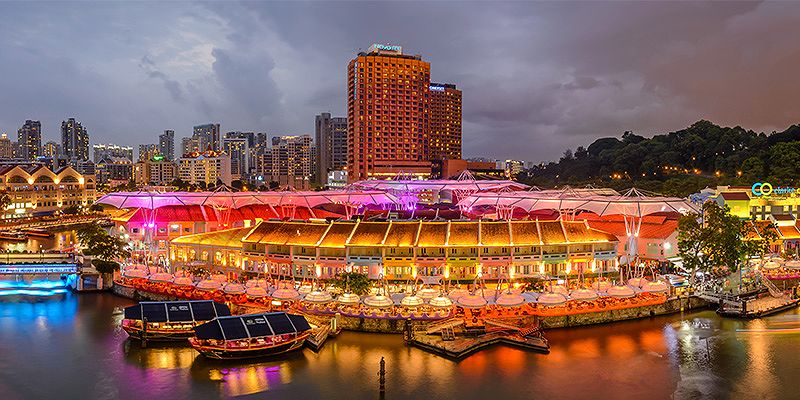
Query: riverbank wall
(671,306)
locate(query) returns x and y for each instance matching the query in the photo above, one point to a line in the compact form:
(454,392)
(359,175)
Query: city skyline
(564,88)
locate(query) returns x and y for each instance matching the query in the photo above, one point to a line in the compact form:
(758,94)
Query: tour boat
(250,336)
(12,237)
(170,320)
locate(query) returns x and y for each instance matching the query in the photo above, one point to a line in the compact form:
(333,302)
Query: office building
(29,140)
(74,141)
(331,145)
(444,139)
(208,167)
(387,114)
(166,144)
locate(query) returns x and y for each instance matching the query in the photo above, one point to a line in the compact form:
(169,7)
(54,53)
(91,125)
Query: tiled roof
(551,232)
(728,196)
(495,233)
(402,234)
(224,238)
(338,234)
(463,234)
(432,234)
(369,234)
(524,233)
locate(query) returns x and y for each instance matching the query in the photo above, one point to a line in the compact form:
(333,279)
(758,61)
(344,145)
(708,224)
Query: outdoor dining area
(777,268)
(414,300)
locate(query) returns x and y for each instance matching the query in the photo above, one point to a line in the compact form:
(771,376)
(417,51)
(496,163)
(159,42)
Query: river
(60,240)
(71,348)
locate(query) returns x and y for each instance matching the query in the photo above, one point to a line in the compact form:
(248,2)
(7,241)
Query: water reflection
(60,240)
(698,355)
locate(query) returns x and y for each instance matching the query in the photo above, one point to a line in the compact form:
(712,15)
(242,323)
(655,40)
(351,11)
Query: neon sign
(766,189)
(386,47)
(436,88)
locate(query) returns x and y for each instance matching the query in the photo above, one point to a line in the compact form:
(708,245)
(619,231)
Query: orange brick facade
(444,141)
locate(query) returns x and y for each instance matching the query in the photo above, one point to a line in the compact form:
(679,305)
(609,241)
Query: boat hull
(221,353)
(159,334)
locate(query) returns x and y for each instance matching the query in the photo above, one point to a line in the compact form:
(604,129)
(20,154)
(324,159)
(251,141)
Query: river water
(71,348)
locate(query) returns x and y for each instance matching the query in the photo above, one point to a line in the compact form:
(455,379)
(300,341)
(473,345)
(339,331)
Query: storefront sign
(766,189)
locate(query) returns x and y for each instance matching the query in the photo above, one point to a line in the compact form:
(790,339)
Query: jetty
(457,338)
(756,304)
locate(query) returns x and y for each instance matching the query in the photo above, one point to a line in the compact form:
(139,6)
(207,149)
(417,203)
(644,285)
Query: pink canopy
(221,199)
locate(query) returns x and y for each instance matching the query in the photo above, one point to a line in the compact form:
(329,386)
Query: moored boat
(250,336)
(170,320)
(43,233)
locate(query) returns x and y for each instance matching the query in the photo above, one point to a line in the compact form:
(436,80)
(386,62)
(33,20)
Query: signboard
(385,49)
(40,269)
(760,189)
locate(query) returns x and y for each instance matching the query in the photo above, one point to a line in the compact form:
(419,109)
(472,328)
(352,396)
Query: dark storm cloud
(537,77)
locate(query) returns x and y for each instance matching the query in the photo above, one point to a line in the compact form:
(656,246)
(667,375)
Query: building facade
(29,140)
(101,151)
(166,144)
(6,147)
(289,162)
(74,140)
(148,151)
(207,167)
(387,114)
(155,172)
(444,140)
(239,151)
(207,136)
(404,250)
(36,190)
(52,150)
(331,144)
(114,171)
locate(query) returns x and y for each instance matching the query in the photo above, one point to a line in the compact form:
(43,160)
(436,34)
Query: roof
(369,234)
(432,234)
(177,311)
(579,232)
(495,233)
(463,234)
(728,196)
(551,232)
(525,233)
(224,238)
(252,326)
(402,234)
(789,232)
(648,229)
(337,235)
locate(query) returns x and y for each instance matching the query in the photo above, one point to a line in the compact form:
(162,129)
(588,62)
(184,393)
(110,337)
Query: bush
(105,267)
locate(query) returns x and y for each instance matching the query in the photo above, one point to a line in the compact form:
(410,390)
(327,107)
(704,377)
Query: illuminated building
(289,162)
(387,114)
(6,147)
(444,140)
(37,190)
(156,172)
(114,170)
(166,144)
(29,140)
(148,151)
(52,150)
(239,150)
(102,151)
(331,144)
(402,250)
(207,137)
(74,141)
(207,167)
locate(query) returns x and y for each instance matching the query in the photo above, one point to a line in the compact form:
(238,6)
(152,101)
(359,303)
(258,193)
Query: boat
(170,320)
(12,237)
(42,233)
(250,336)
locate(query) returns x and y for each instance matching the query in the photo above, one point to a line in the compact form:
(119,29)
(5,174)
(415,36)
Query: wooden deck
(462,346)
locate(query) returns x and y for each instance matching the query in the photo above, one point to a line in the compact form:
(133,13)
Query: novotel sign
(377,47)
(766,189)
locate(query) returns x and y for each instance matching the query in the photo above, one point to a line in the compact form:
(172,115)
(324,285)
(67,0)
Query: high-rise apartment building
(101,151)
(238,149)
(29,140)
(52,149)
(208,167)
(207,137)
(444,139)
(387,113)
(6,147)
(152,172)
(166,144)
(331,145)
(74,140)
(148,151)
(290,161)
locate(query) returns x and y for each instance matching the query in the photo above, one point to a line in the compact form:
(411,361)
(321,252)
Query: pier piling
(382,380)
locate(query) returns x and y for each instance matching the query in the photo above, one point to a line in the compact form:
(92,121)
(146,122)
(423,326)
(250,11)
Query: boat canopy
(177,311)
(252,326)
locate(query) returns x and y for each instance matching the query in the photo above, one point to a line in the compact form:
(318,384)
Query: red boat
(250,336)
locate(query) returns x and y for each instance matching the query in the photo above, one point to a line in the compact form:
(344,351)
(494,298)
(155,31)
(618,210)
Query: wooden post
(144,332)
(382,380)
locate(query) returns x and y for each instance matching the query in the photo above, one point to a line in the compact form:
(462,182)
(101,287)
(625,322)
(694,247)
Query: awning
(251,326)
(177,311)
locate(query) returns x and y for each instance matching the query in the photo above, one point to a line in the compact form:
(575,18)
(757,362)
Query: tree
(105,267)
(99,243)
(71,210)
(718,240)
(358,283)
(96,208)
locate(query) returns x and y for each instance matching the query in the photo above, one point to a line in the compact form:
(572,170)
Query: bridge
(37,274)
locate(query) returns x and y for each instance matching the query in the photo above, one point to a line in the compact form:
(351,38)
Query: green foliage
(716,240)
(71,210)
(105,267)
(678,163)
(99,243)
(356,282)
(96,208)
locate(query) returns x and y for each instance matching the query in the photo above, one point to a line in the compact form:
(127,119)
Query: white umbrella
(209,284)
(162,277)
(285,293)
(135,273)
(510,299)
(412,301)
(348,298)
(551,299)
(318,297)
(234,288)
(441,302)
(471,301)
(655,287)
(620,291)
(378,300)
(583,295)
(256,291)
(183,281)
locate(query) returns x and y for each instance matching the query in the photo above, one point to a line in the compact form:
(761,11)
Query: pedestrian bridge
(36,274)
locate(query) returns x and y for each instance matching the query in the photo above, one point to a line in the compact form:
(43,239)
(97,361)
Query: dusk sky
(537,78)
